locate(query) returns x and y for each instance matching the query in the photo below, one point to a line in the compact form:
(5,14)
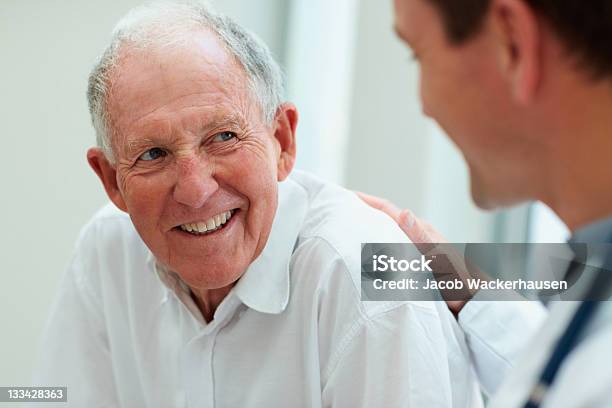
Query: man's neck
(580,177)
(208,300)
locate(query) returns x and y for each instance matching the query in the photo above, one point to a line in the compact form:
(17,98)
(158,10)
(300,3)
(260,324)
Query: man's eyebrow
(233,120)
(136,143)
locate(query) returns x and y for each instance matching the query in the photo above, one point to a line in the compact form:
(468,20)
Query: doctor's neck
(578,161)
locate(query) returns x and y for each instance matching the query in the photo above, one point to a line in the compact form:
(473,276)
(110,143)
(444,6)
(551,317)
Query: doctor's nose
(195,182)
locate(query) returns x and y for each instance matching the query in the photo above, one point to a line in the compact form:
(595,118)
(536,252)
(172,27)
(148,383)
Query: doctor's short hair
(584,26)
(168,24)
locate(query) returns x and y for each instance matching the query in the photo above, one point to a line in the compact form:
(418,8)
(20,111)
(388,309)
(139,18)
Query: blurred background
(361,126)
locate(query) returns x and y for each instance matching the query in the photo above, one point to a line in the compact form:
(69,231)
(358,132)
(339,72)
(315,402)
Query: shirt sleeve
(399,358)
(496,334)
(75,350)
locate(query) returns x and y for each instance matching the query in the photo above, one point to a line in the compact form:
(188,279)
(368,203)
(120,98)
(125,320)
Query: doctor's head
(192,138)
(507,79)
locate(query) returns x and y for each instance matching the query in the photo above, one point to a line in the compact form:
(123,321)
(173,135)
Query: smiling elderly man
(224,287)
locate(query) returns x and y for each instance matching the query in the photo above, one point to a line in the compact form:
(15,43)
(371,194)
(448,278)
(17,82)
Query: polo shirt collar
(265,286)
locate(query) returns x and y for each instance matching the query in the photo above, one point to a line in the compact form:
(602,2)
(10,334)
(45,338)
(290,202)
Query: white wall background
(361,125)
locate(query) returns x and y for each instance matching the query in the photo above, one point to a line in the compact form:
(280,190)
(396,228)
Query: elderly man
(216,285)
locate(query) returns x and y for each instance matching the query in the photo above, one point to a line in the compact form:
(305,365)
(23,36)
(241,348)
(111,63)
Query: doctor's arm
(496,332)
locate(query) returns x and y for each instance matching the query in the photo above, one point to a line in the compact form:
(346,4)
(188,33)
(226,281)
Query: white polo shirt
(293,331)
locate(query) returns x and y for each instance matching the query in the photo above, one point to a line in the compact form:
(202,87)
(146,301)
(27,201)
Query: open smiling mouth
(211,225)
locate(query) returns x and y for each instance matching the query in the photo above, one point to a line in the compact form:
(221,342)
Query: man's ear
(285,124)
(519,43)
(107,174)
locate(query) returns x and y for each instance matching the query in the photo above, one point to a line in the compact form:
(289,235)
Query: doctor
(524,89)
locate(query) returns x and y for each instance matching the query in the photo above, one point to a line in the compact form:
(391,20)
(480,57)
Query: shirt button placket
(197,370)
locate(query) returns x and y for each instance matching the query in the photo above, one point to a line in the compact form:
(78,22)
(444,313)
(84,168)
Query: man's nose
(195,182)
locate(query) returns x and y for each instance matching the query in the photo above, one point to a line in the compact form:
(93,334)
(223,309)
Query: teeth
(209,225)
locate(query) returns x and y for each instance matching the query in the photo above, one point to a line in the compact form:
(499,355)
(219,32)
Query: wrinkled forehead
(162,79)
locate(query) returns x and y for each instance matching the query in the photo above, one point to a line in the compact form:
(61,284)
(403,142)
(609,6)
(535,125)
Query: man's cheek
(249,168)
(141,200)
(433,96)
(126,186)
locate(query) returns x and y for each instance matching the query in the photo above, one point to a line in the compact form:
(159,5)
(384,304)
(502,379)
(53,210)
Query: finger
(406,222)
(433,234)
(372,201)
(413,227)
(423,235)
(380,204)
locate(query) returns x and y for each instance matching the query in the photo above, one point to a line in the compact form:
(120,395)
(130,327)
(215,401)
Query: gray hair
(166,23)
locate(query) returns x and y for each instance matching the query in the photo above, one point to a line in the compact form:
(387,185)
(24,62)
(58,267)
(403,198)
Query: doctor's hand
(425,237)
(422,234)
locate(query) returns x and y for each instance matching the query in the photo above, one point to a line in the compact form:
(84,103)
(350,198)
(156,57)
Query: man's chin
(489,199)
(483,201)
(208,279)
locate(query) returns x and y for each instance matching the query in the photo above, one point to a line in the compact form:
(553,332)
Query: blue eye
(152,154)
(224,136)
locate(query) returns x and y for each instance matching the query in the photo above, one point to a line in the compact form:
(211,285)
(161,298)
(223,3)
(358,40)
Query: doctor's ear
(107,174)
(518,40)
(285,123)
